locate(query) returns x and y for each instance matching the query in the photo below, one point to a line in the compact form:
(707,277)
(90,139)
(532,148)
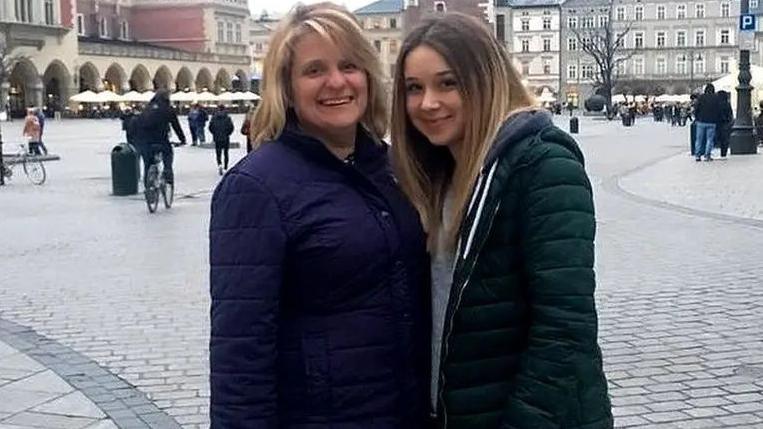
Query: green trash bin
(125,170)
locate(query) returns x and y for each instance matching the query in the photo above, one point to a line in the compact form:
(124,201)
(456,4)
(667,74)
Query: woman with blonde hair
(319,271)
(32,132)
(506,202)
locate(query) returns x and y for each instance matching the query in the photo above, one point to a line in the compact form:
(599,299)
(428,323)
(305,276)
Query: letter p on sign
(747,22)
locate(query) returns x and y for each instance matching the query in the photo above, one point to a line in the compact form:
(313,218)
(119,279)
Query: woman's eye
(449,83)
(349,66)
(412,88)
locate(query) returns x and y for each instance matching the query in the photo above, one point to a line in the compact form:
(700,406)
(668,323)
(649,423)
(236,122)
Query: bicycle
(33,167)
(156,183)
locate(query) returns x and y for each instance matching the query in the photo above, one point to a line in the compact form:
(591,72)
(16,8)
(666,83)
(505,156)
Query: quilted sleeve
(557,228)
(247,243)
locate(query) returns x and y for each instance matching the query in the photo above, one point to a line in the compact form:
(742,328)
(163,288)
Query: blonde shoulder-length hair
(336,25)
(491,90)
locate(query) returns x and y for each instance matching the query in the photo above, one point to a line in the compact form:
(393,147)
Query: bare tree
(606,45)
(8,59)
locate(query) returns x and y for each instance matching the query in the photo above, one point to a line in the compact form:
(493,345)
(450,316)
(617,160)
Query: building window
(725,37)
(238,33)
(546,67)
(661,66)
(699,38)
(621,68)
(753,4)
(639,13)
(393,23)
(500,27)
(258,47)
(681,11)
(546,23)
(525,46)
(638,66)
(623,41)
(525,25)
(681,64)
(377,24)
(393,46)
(80,24)
(660,39)
(546,45)
(377,45)
(680,38)
(603,21)
(220,31)
(572,71)
(525,69)
(638,39)
(24,10)
(620,16)
(229,32)
(699,64)
(572,44)
(699,10)
(50,15)
(572,22)
(586,22)
(725,10)
(103,27)
(661,12)
(586,71)
(724,66)
(439,6)
(124,30)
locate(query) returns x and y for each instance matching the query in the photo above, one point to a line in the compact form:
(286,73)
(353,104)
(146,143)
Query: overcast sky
(282,6)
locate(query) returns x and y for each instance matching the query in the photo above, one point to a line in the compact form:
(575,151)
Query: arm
(245,127)
(556,241)
(247,247)
(229,126)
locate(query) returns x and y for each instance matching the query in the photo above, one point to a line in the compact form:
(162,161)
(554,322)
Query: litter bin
(124,170)
(574,125)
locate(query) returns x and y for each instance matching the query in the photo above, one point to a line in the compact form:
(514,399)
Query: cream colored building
(383,23)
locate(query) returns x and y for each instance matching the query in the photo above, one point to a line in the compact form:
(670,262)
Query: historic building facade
(530,30)
(671,47)
(120,45)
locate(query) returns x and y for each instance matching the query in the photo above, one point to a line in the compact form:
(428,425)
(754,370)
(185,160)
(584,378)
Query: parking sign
(747,22)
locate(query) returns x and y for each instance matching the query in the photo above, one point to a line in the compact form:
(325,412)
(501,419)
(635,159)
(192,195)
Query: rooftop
(381,6)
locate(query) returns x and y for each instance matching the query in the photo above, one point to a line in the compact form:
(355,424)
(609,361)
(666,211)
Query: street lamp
(742,140)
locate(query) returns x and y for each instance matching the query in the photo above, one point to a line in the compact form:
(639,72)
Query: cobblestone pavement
(36,397)
(679,288)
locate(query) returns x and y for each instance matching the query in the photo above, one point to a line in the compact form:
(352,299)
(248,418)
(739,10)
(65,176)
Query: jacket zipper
(483,185)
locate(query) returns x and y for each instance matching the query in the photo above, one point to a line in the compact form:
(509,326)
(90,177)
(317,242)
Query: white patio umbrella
(250,96)
(229,96)
(618,98)
(84,97)
(662,98)
(107,97)
(183,96)
(206,96)
(639,99)
(546,97)
(147,96)
(132,96)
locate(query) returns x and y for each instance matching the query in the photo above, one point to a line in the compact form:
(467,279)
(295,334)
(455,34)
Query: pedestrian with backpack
(221,127)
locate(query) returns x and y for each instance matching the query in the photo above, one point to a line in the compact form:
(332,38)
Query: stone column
(35,92)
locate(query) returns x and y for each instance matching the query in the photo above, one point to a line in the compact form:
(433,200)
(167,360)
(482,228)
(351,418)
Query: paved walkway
(34,396)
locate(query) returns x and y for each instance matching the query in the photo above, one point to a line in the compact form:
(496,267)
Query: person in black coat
(725,122)
(221,127)
(319,275)
(155,123)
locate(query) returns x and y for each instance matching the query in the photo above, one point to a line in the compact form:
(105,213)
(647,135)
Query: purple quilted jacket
(320,291)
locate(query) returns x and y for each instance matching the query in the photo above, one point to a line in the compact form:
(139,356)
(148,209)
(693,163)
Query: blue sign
(747,22)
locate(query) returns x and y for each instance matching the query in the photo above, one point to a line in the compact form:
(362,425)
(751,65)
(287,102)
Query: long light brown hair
(491,90)
(336,25)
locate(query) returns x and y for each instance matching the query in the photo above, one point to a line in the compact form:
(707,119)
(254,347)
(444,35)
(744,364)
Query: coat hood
(521,125)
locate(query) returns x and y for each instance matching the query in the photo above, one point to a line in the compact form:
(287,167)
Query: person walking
(707,113)
(221,127)
(197,120)
(41,119)
(32,131)
(507,204)
(246,128)
(725,122)
(319,271)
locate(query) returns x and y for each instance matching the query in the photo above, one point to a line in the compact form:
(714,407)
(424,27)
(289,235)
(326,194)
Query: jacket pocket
(317,369)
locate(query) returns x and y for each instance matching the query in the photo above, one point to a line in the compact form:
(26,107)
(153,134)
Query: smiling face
(433,100)
(330,91)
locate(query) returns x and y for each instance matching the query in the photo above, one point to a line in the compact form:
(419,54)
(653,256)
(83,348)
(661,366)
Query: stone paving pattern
(680,297)
(34,396)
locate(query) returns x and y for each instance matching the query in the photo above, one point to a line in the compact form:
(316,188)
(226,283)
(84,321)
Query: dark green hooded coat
(520,336)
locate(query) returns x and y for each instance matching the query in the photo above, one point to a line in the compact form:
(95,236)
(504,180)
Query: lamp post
(742,140)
